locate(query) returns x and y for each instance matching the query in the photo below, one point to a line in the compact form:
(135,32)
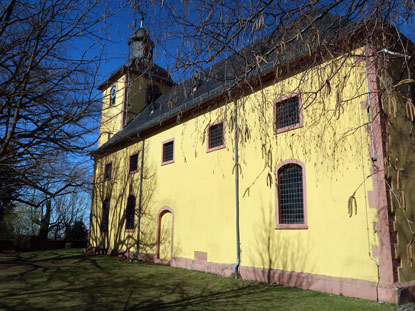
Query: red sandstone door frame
(164,210)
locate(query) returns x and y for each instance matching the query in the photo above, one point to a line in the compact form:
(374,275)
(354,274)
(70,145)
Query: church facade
(274,175)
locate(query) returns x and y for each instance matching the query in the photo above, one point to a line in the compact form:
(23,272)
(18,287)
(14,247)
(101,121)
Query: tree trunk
(45,221)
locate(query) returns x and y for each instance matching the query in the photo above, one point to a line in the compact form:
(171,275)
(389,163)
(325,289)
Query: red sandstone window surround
(167,152)
(290,196)
(288,113)
(216,136)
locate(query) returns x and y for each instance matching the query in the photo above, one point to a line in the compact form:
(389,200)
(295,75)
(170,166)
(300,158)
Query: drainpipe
(374,159)
(140,196)
(236,167)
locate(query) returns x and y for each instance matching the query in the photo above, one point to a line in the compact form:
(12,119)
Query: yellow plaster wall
(117,189)
(335,152)
(111,116)
(137,94)
(199,186)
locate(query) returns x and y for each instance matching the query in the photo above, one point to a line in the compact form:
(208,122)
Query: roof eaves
(112,77)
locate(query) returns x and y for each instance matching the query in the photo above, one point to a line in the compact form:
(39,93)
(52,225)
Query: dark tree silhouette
(48,105)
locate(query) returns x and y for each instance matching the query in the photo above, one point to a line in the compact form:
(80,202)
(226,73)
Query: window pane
(108,169)
(216,135)
(168,151)
(105,215)
(113,93)
(130,212)
(291,194)
(134,163)
(288,113)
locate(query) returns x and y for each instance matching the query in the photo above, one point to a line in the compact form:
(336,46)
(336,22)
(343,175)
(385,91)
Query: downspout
(374,159)
(236,167)
(140,196)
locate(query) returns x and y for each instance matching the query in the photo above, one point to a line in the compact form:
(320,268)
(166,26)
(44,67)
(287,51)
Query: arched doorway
(165,226)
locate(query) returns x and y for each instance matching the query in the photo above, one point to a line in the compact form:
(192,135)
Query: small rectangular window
(288,113)
(134,163)
(108,171)
(216,136)
(168,152)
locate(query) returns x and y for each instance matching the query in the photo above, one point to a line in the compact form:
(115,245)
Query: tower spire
(141,46)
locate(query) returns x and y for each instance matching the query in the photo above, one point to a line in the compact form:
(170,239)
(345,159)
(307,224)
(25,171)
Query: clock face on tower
(112,95)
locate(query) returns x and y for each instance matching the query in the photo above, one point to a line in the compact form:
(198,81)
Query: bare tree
(48,102)
(205,32)
(61,214)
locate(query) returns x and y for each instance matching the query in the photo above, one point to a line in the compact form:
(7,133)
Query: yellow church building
(294,171)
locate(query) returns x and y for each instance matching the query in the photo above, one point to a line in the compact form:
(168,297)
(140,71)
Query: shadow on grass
(232,298)
(71,280)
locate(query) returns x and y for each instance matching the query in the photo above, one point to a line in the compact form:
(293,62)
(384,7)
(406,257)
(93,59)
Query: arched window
(129,214)
(113,94)
(105,215)
(291,212)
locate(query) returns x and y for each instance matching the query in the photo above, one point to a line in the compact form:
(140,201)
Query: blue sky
(119,30)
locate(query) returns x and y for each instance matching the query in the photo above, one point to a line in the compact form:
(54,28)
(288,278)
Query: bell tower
(132,87)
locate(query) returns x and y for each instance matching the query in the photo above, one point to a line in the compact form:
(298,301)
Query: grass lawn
(71,280)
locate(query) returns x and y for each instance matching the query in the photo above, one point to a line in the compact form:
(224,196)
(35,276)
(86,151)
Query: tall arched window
(129,214)
(291,212)
(105,215)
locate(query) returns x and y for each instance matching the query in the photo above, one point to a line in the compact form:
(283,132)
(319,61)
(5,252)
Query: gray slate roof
(141,67)
(224,75)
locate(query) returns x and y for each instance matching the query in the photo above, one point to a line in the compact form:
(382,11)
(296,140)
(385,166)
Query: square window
(168,152)
(133,163)
(288,113)
(108,171)
(216,138)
